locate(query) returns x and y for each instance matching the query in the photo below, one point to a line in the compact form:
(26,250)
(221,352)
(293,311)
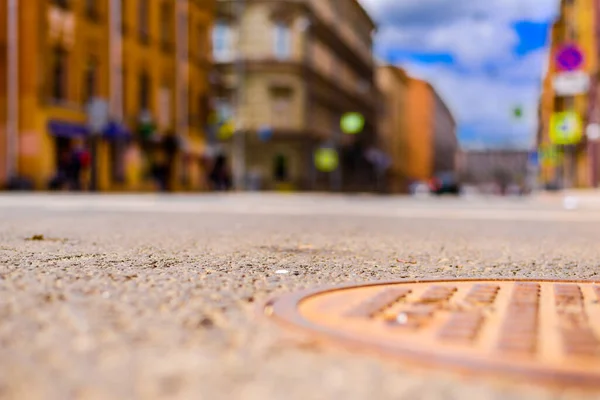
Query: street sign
(565,128)
(548,155)
(265,133)
(571,83)
(593,132)
(352,123)
(97,115)
(326,159)
(533,159)
(569,58)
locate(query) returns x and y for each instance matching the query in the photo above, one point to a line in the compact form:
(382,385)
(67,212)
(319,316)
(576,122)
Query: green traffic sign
(352,123)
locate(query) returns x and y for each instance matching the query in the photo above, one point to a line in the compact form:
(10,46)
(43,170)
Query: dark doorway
(280,168)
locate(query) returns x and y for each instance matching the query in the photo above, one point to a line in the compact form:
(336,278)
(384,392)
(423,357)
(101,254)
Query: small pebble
(281,271)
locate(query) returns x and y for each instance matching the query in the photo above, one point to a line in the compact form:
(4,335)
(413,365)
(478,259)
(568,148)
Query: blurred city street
(154,296)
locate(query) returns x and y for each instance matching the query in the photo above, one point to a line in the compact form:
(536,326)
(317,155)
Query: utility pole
(239,140)
(12,85)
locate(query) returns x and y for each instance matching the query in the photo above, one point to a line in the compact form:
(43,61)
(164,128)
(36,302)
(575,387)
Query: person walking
(80,161)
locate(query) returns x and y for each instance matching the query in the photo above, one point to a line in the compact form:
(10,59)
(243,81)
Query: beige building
(290,69)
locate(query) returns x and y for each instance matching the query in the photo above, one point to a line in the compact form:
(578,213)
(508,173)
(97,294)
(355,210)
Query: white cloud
(485,104)
(475,32)
(478,34)
(472,43)
(436,12)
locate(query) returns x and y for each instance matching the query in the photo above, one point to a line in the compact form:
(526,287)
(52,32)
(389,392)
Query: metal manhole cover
(542,330)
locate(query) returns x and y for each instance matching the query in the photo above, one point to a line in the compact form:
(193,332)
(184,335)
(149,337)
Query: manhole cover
(543,330)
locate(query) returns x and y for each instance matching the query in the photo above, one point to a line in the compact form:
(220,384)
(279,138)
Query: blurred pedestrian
(219,176)
(60,180)
(79,161)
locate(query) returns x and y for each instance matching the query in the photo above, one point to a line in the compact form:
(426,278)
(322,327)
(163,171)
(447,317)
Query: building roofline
(436,94)
(396,70)
(366,14)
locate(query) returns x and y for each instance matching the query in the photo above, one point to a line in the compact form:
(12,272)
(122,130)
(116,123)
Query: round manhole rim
(283,309)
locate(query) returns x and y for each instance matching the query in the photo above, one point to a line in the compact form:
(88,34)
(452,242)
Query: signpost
(265,133)
(571,83)
(593,132)
(565,128)
(569,58)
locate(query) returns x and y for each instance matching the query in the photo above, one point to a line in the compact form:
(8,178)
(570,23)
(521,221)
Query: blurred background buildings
(290,70)
(137,95)
(567,140)
(146,63)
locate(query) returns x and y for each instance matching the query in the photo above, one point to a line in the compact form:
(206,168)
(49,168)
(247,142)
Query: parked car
(444,182)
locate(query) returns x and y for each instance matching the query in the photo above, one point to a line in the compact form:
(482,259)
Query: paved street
(155,297)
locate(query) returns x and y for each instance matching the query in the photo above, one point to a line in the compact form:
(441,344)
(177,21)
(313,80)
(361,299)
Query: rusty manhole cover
(543,330)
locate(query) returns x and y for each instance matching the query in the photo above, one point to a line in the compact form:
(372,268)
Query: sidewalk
(581,198)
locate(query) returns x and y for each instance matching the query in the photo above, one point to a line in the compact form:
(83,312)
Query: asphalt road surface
(155,297)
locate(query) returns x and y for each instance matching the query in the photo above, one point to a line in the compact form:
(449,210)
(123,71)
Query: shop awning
(69,129)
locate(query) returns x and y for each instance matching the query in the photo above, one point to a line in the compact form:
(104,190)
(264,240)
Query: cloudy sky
(485,57)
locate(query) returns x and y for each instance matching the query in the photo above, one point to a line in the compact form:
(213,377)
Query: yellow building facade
(568,165)
(148,61)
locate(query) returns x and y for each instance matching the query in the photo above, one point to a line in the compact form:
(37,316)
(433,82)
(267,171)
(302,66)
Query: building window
(184,101)
(280,168)
(166,27)
(124,16)
(90,80)
(282,42)
(144,91)
(143,17)
(203,109)
(125,93)
(281,101)
(91,9)
(61,3)
(59,74)
(202,43)
(222,41)
(165,118)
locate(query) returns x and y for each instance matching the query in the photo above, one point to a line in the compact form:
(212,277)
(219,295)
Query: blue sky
(484,57)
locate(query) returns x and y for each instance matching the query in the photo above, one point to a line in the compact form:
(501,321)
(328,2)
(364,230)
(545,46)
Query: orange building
(416,129)
(148,60)
(419,115)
